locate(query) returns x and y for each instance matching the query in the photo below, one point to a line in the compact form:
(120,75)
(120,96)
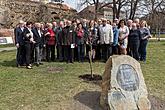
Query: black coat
(59,36)
(18,36)
(134,36)
(37,38)
(25,37)
(68,35)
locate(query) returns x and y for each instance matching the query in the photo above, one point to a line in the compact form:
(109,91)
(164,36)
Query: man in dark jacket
(38,36)
(59,36)
(134,38)
(19,42)
(69,42)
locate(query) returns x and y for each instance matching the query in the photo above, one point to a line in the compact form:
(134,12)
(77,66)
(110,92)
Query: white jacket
(106,34)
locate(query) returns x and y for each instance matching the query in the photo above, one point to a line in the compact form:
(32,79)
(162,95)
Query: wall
(11,11)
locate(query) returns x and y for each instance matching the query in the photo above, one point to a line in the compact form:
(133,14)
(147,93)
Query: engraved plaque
(127,78)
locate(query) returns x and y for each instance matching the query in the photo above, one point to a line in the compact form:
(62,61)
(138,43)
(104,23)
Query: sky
(71,3)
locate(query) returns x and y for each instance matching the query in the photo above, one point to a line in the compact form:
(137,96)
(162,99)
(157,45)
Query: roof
(61,6)
(92,8)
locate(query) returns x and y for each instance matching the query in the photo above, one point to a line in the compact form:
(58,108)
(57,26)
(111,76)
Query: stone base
(123,86)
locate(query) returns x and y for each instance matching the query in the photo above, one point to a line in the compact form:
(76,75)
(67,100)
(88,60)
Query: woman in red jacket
(50,44)
(80,41)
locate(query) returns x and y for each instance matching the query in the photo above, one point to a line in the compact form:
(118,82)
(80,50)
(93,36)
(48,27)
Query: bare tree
(118,6)
(99,4)
(134,7)
(156,13)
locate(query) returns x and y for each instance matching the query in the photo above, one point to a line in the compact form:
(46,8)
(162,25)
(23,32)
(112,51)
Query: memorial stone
(123,86)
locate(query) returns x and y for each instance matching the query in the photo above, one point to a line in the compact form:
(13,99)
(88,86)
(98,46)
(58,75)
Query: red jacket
(80,33)
(51,40)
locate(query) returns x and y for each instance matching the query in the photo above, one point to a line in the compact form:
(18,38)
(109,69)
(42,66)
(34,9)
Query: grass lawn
(53,86)
(6,45)
(161,35)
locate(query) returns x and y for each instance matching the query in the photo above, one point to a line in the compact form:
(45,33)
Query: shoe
(18,65)
(60,60)
(144,61)
(29,67)
(37,65)
(71,62)
(41,63)
(67,61)
(93,60)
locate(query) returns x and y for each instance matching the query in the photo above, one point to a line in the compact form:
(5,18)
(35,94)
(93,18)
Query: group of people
(79,39)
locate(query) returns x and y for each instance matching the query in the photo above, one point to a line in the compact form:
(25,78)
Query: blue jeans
(81,51)
(143,50)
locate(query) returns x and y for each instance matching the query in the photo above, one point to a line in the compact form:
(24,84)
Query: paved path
(157,38)
(7,49)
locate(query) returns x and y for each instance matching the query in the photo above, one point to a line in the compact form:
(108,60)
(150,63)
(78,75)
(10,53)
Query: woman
(80,42)
(115,39)
(134,41)
(92,40)
(123,37)
(50,44)
(145,35)
(28,39)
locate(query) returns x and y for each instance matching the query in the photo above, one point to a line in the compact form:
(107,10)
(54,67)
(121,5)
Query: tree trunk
(96,9)
(131,10)
(114,9)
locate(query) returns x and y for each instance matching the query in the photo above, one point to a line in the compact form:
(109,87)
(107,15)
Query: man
(137,21)
(54,26)
(19,42)
(85,23)
(98,49)
(59,37)
(129,24)
(38,36)
(134,38)
(69,42)
(106,39)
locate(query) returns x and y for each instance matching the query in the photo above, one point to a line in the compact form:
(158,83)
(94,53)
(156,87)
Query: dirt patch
(156,103)
(96,79)
(88,77)
(54,69)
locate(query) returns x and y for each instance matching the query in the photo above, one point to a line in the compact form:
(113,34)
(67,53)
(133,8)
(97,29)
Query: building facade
(105,12)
